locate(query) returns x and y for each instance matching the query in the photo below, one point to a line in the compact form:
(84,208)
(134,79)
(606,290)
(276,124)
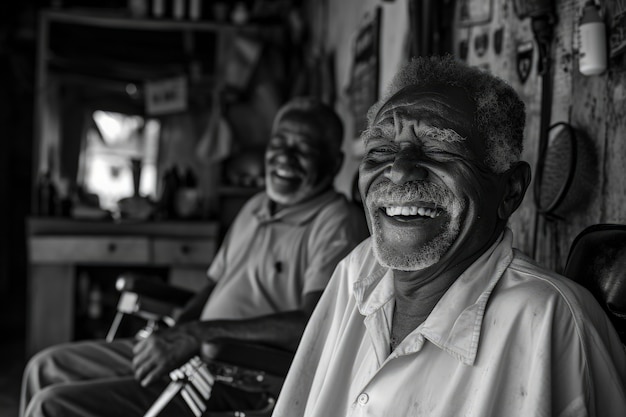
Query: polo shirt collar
(297,214)
(455,323)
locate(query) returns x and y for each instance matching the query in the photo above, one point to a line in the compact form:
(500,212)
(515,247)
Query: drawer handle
(112,247)
(185,249)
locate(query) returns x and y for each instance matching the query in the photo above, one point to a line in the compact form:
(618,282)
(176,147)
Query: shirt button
(363,399)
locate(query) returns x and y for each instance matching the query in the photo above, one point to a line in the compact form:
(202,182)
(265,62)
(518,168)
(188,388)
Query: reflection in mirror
(110,145)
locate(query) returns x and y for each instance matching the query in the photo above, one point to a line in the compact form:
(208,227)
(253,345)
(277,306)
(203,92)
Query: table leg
(50,316)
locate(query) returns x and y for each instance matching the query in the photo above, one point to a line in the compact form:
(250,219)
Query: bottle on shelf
(178,9)
(195,9)
(47,195)
(158,9)
(592,32)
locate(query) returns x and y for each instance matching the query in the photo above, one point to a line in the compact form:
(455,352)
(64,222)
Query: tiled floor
(11,366)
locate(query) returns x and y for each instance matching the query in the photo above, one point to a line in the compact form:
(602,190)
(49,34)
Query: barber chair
(249,367)
(597,261)
(148,299)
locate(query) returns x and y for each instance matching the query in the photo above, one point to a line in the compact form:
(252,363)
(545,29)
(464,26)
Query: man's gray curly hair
(315,112)
(500,113)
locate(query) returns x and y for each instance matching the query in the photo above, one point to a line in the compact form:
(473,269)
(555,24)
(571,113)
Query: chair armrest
(247,366)
(248,355)
(143,285)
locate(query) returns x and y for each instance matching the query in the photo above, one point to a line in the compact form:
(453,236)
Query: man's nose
(406,167)
(285,155)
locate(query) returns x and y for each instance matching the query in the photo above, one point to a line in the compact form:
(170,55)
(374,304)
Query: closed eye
(380,154)
(445,149)
(441,152)
(383,150)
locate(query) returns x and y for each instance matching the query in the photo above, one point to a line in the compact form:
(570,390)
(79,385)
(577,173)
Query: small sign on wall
(617,33)
(166,96)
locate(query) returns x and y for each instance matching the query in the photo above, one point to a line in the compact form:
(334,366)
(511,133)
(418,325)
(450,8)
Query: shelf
(117,48)
(105,58)
(113,19)
(67,226)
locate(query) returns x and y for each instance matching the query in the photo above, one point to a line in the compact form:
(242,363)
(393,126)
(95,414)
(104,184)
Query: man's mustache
(388,193)
(273,164)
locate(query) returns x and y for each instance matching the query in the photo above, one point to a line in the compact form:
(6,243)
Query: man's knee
(49,402)
(35,370)
(41,357)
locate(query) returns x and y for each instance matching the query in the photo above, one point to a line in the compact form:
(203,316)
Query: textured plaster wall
(594,105)
(334,24)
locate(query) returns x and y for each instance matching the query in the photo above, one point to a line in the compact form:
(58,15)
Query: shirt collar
(297,214)
(454,324)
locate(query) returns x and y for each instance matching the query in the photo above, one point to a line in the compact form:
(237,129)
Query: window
(119,149)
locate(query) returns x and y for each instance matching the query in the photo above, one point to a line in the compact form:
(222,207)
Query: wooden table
(57,246)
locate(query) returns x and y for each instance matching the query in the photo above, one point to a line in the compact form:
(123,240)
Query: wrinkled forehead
(443,107)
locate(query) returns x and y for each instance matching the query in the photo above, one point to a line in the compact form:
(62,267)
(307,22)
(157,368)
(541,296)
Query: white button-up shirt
(507,339)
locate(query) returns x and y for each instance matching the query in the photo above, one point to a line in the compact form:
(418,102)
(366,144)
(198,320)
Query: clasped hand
(162,352)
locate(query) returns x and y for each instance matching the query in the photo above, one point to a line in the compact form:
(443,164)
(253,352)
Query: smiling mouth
(408,213)
(286,174)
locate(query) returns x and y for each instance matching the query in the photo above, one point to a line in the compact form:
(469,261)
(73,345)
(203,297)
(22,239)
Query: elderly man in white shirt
(437,314)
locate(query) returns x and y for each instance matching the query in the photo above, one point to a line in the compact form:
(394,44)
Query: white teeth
(411,211)
(287,173)
(393,211)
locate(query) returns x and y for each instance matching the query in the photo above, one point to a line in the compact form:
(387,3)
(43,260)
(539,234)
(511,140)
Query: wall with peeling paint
(593,105)
(476,44)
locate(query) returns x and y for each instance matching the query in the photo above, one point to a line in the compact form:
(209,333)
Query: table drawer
(190,251)
(89,249)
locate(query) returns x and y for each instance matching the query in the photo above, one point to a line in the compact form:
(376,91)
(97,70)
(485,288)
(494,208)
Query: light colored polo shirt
(267,263)
(508,339)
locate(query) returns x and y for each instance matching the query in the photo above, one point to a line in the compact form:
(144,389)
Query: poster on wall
(166,96)
(363,89)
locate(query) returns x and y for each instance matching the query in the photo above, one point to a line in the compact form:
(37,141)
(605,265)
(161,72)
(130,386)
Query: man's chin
(412,257)
(401,260)
(282,199)
(290,197)
(286,198)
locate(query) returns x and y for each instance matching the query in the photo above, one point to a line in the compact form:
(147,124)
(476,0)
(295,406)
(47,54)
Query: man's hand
(162,352)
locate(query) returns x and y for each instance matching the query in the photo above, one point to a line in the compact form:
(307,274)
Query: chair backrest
(597,261)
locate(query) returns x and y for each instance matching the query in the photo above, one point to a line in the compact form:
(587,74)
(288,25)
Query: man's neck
(414,301)
(417,292)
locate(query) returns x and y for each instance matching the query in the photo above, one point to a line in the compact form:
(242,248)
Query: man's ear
(517,180)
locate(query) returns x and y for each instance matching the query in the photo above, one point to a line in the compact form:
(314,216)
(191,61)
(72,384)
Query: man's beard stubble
(386,193)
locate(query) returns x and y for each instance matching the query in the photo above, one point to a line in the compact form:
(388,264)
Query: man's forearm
(282,330)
